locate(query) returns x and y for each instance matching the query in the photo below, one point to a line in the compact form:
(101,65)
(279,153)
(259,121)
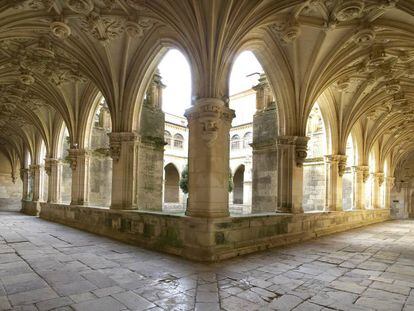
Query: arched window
(178,141)
(247,139)
(65,170)
(314,177)
(100,167)
(347,178)
(235,142)
(167,138)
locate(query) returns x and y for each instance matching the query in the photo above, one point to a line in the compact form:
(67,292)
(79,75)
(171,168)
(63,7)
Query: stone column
(389,184)
(377,180)
(124,152)
(35,173)
(360,174)
(24,176)
(53,170)
(209,123)
(264,175)
(151,149)
(335,168)
(79,163)
(291,153)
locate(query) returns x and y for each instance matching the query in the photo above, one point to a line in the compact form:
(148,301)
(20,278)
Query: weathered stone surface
(307,276)
(212,239)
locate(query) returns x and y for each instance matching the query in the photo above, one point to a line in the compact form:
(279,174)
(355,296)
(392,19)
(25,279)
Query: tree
(184,181)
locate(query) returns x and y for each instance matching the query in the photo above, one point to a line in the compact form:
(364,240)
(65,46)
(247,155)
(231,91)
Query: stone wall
(10,192)
(208,239)
(314,186)
(347,190)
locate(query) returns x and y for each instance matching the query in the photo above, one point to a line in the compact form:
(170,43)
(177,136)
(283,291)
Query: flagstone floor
(47,266)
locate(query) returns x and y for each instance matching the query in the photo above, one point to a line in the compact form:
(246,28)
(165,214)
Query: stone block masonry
(204,239)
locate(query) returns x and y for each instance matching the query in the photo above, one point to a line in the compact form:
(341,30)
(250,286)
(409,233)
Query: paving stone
(377,304)
(32,296)
(100,304)
(102,292)
(94,273)
(133,301)
(74,288)
(54,303)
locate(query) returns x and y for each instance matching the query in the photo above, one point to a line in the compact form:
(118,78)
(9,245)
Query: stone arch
(238,185)
(171,184)
(314,171)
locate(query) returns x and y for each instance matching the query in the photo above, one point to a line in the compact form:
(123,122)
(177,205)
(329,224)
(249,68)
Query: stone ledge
(208,239)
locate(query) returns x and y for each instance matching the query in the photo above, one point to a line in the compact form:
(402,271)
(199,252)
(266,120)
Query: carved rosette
(60,30)
(116,139)
(80,6)
(210,113)
(347,10)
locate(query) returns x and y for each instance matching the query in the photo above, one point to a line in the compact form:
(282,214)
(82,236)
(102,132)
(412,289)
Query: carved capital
(300,144)
(379,177)
(74,155)
(116,139)
(211,114)
(49,163)
(339,160)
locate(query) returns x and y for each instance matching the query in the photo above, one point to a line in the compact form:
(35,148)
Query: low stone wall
(31,208)
(208,239)
(10,205)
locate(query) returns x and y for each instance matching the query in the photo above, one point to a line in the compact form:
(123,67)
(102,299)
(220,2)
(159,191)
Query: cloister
(83,134)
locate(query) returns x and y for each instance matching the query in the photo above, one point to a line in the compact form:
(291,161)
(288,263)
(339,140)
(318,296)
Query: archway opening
(347,179)
(238,182)
(100,167)
(164,135)
(65,170)
(43,176)
(252,100)
(171,184)
(314,171)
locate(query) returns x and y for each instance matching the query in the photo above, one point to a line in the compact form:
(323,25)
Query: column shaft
(377,180)
(80,161)
(24,175)
(265,174)
(209,123)
(35,173)
(124,153)
(389,184)
(291,153)
(359,173)
(53,170)
(335,167)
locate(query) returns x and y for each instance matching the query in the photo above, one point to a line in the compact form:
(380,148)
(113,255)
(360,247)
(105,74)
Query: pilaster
(35,173)
(360,174)
(291,153)
(265,169)
(124,152)
(335,168)
(209,123)
(79,163)
(53,170)
(377,181)
(389,184)
(24,176)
